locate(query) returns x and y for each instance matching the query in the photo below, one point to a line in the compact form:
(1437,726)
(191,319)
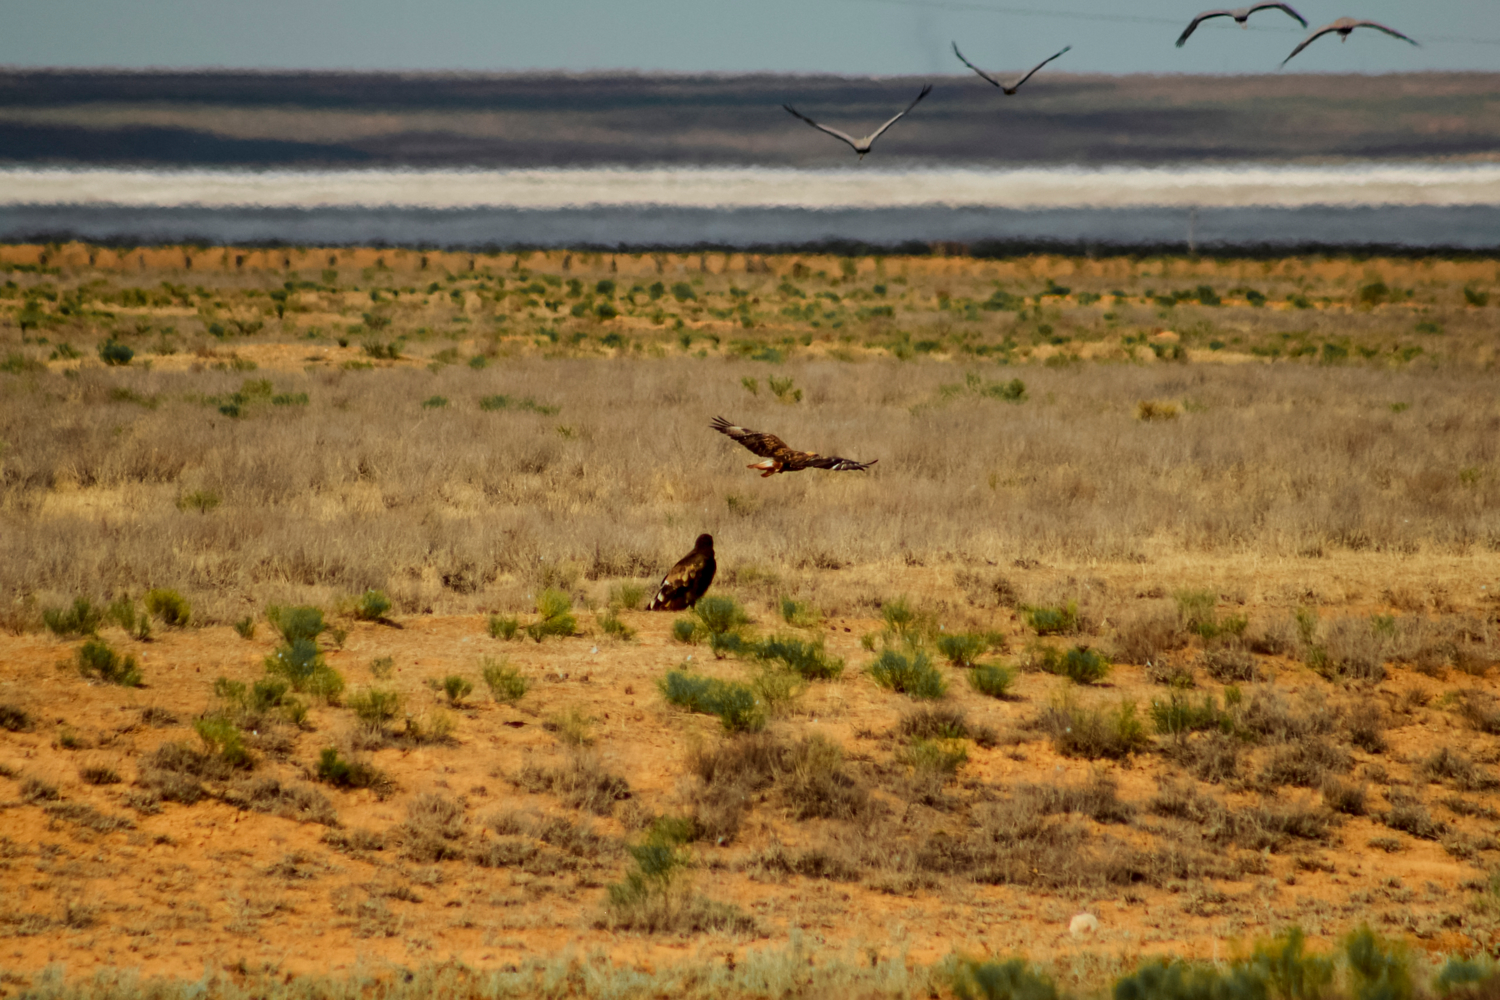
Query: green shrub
(1475,297)
(504,628)
(372,606)
(1373,293)
(246,627)
(807,659)
(626,596)
(736,704)
(170,606)
(939,756)
(910,674)
(434,402)
(14,718)
(1084,666)
(114,353)
(685,630)
(798,613)
(1378,970)
(302,622)
(376,708)
(963,648)
(1053,621)
(992,679)
(202,501)
(96,659)
(1178,716)
(344,773)
(504,681)
(1095,733)
(457,687)
(1009,980)
(81,619)
(121,611)
(721,619)
(223,739)
(682,291)
(554,615)
(613,626)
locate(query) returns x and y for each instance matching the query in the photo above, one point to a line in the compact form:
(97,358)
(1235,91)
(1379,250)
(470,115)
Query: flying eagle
(779,458)
(1343,26)
(688,579)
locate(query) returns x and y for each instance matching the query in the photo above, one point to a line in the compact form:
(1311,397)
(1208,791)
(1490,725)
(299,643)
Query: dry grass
(340,496)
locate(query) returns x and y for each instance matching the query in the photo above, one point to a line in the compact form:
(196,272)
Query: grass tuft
(911,674)
(505,682)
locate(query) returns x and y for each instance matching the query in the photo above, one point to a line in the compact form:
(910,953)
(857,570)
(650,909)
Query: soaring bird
(1014,85)
(1344,26)
(688,579)
(779,458)
(1240,14)
(861,146)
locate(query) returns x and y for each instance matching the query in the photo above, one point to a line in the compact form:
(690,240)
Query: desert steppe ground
(1202,554)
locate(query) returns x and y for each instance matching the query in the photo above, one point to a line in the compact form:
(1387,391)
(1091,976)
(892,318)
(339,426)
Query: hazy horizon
(839,37)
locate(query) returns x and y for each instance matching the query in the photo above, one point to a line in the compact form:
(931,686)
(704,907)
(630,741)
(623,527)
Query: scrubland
(1170,601)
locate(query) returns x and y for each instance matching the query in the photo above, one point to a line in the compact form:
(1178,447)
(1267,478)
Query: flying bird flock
(1240,15)
(689,579)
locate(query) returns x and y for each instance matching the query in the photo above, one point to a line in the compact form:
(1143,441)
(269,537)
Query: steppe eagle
(779,458)
(688,579)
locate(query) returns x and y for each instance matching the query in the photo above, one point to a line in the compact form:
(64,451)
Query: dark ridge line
(976,250)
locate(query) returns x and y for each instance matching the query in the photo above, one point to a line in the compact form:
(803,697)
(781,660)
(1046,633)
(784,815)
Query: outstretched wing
(976,69)
(926,89)
(1389,31)
(834,464)
(1193,24)
(684,583)
(764,445)
(1310,39)
(1279,6)
(1016,86)
(824,128)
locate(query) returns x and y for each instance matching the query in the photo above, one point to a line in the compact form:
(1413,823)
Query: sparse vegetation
(505,682)
(372,606)
(554,615)
(909,673)
(97,659)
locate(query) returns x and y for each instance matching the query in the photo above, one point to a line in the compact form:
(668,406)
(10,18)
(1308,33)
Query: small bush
(504,681)
(15,719)
(114,353)
(372,606)
(1053,621)
(121,611)
(296,623)
(96,659)
(1178,716)
(1343,797)
(99,775)
(382,667)
(1095,733)
(572,727)
(503,628)
(910,674)
(962,649)
(736,705)
(798,613)
(245,627)
(626,596)
(685,630)
(992,679)
(457,687)
(1081,665)
(342,772)
(434,402)
(1149,410)
(83,618)
(170,606)
(611,624)
(554,615)
(376,708)
(809,660)
(223,739)
(1015,980)
(582,784)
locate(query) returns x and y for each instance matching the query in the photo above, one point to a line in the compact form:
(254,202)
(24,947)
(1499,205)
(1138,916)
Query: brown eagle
(688,579)
(779,458)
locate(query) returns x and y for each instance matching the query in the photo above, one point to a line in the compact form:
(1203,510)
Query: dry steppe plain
(1266,491)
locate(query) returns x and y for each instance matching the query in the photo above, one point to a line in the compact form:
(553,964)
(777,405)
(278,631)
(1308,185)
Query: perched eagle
(688,580)
(779,458)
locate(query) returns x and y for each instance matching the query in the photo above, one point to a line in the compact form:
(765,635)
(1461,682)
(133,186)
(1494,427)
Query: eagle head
(705,543)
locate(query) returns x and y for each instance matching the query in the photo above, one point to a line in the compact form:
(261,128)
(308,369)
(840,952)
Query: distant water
(1398,205)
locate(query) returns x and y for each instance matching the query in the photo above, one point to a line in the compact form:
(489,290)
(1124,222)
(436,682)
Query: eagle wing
(687,580)
(764,445)
(831,462)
